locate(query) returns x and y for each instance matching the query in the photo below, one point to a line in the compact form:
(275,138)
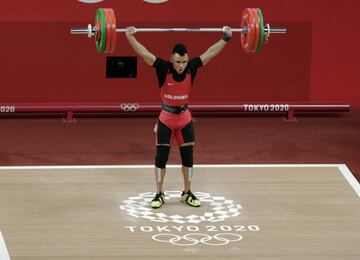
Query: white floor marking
(146,166)
(4,255)
(350,178)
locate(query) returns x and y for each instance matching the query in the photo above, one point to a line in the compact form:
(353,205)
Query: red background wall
(316,61)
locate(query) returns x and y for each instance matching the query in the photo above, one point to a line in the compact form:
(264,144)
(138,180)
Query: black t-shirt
(163,68)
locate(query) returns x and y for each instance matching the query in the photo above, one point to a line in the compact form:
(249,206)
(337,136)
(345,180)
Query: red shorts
(174,125)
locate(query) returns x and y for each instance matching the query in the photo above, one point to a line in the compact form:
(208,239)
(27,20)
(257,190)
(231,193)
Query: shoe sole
(190,204)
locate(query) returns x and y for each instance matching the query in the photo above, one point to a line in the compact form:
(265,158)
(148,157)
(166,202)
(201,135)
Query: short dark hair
(180,49)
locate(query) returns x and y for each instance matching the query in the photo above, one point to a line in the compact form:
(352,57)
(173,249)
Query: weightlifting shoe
(190,199)
(158,200)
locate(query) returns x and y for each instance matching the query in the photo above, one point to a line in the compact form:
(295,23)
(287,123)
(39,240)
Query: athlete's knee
(186,153)
(162,156)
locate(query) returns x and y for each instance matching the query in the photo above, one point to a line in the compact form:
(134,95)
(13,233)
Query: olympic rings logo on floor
(222,208)
(129,107)
(191,239)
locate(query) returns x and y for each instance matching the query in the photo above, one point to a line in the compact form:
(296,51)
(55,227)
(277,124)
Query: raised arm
(216,48)
(148,57)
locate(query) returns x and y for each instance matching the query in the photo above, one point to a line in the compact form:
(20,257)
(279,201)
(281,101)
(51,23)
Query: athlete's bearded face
(179,62)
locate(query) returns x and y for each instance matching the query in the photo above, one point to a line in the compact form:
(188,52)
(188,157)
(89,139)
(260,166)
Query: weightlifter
(175,78)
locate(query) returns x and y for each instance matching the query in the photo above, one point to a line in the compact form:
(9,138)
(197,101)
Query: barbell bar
(253,31)
(92,30)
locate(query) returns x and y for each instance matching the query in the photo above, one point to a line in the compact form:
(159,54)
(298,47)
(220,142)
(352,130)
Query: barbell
(253,31)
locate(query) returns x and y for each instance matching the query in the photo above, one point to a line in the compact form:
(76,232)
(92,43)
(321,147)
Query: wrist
(226,37)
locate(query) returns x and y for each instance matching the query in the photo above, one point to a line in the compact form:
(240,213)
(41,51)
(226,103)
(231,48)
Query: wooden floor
(248,212)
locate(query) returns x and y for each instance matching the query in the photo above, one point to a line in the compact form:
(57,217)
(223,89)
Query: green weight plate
(262,32)
(101,43)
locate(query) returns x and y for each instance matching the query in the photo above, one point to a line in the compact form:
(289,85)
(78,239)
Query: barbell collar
(80,31)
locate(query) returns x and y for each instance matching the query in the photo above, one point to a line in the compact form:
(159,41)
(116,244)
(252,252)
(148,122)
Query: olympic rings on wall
(129,107)
(90,1)
(190,239)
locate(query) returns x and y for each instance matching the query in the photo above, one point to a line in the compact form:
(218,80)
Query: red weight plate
(244,24)
(257,29)
(251,39)
(113,31)
(247,39)
(108,30)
